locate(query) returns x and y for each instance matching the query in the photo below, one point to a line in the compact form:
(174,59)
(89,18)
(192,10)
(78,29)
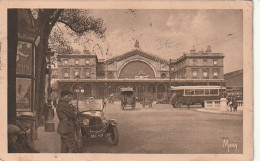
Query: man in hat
(67,126)
(12,138)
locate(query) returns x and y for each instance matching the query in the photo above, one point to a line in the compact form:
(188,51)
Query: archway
(161,90)
(87,90)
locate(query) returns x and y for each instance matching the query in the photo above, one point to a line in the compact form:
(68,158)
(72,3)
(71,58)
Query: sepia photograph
(128,80)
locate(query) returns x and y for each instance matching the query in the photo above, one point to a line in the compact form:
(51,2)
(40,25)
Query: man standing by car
(67,127)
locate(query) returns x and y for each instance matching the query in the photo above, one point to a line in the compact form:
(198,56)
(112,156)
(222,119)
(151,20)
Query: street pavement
(162,129)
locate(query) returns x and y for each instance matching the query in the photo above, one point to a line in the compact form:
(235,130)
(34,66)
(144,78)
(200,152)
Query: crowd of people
(232,103)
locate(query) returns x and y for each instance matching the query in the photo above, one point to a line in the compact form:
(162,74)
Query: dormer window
(66,73)
(205,74)
(194,62)
(194,73)
(76,73)
(87,72)
(76,62)
(65,61)
(205,62)
(215,73)
(87,62)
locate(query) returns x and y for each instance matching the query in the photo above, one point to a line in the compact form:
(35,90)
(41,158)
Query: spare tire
(113,138)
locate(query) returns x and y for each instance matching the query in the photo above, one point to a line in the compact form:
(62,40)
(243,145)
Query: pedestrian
(151,101)
(45,111)
(234,104)
(174,100)
(67,127)
(54,103)
(230,104)
(105,102)
(188,103)
(112,98)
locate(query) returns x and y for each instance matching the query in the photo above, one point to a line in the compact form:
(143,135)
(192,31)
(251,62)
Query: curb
(238,113)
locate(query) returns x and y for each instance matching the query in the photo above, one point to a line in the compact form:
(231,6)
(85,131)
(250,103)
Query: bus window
(206,91)
(189,92)
(214,92)
(199,92)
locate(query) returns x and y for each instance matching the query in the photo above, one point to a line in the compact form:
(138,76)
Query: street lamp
(49,123)
(173,72)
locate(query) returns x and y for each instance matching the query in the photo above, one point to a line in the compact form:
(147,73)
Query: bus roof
(127,89)
(196,87)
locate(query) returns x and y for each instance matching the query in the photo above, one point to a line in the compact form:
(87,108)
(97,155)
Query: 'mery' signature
(229,143)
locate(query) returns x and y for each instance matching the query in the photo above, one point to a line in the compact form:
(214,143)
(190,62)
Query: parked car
(94,125)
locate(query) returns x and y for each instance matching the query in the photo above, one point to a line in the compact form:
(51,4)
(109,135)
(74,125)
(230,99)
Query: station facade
(147,74)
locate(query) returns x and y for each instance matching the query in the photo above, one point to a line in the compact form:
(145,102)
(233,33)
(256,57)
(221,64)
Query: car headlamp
(85,122)
(104,121)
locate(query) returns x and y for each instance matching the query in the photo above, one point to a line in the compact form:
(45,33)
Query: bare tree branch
(56,17)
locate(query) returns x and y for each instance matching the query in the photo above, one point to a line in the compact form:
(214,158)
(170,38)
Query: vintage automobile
(94,124)
(127,98)
(191,95)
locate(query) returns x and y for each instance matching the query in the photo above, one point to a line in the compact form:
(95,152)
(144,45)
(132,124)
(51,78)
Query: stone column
(223,104)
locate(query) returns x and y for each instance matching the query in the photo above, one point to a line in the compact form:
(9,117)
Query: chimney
(193,50)
(86,52)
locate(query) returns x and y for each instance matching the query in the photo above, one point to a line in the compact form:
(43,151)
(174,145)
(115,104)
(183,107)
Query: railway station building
(147,74)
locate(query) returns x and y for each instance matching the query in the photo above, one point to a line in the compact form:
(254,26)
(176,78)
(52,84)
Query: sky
(170,33)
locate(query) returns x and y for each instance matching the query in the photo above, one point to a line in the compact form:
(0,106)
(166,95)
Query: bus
(184,95)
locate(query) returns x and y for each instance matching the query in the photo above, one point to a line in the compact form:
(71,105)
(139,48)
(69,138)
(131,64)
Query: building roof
(76,56)
(137,80)
(233,74)
(136,52)
(199,55)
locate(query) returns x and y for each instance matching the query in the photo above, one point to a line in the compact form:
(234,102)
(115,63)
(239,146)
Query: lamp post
(171,72)
(49,123)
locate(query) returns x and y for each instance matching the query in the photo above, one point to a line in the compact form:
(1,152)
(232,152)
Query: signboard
(23,94)
(24,58)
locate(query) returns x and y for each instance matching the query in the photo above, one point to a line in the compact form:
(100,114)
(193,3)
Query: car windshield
(89,104)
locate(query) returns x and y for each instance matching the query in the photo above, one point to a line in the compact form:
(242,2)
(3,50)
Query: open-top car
(94,124)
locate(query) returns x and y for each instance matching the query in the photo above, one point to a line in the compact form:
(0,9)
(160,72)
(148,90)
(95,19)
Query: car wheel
(178,104)
(113,138)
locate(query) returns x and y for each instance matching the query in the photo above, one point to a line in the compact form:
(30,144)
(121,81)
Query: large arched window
(119,88)
(141,89)
(161,88)
(135,69)
(160,91)
(112,89)
(66,87)
(87,90)
(150,88)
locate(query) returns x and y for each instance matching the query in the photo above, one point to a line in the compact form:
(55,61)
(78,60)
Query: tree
(78,21)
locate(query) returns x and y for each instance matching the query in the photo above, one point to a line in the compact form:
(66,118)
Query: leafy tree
(78,21)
